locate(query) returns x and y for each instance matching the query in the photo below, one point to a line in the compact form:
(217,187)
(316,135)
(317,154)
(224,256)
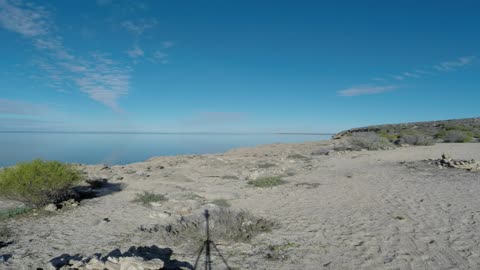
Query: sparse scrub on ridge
(297,156)
(265,165)
(221,202)
(146,198)
(415,139)
(269,181)
(39,182)
(458,136)
(225,224)
(387,135)
(369,141)
(14,212)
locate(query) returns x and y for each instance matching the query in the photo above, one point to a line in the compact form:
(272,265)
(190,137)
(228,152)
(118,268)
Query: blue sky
(236,66)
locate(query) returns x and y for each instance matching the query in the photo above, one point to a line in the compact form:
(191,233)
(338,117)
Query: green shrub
(147,197)
(39,182)
(297,156)
(221,202)
(458,136)
(13,212)
(264,182)
(387,135)
(369,141)
(416,139)
(441,134)
(458,127)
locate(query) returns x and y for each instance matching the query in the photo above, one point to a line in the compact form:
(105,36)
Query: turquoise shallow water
(95,148)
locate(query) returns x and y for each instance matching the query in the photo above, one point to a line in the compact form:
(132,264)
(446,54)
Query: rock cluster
(448,162)
(113,263)
(136,258)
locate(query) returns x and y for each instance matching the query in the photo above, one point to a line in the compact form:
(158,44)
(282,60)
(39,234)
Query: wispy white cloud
(365,90)
(411,75)
(8,106)
(168,44)
(104,2)
(415,74)
(454,65)
(135,52)
(140,26)
(424,72)
(102,79)
(25,19)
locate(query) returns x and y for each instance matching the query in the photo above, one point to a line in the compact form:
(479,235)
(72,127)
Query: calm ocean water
(94,148)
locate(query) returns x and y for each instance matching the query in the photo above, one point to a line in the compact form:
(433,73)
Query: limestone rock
(50,208)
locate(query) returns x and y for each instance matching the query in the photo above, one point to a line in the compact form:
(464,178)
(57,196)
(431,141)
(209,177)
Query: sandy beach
(387,209)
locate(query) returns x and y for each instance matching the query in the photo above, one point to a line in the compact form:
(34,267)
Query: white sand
(355,210)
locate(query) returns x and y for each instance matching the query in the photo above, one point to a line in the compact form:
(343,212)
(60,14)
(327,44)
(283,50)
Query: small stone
(119,178)
(51,208)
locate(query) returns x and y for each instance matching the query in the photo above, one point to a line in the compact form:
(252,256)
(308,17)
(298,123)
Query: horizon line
(169,133)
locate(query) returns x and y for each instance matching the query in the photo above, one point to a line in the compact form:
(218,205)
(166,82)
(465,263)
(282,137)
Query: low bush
(13,212)
(415,139)
(264,182)
(389,136)
(458,136)
(221,202)
(39,182)
(146,198)
(225,224)
(441,134)
(5,233)
(369,141)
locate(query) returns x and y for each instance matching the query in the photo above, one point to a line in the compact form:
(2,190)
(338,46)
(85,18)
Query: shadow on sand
(146,253)
(5,257)
(96,190)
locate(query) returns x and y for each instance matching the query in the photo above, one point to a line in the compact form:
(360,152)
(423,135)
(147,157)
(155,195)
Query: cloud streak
(416,74)
(454,65)
(140,26)
(24,19)
(102,79)
(365,90)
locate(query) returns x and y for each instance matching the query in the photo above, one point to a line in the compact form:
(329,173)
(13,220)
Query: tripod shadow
(147,253)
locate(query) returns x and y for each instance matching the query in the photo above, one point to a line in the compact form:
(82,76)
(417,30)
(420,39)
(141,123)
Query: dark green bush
(39,182)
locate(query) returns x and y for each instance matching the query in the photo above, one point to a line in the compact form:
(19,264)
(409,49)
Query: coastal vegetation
(421,133)
(146,198)
(38,183)
(229,225)
(264,182)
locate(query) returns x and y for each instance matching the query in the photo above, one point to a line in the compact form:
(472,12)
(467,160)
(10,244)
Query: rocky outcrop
(136,258)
